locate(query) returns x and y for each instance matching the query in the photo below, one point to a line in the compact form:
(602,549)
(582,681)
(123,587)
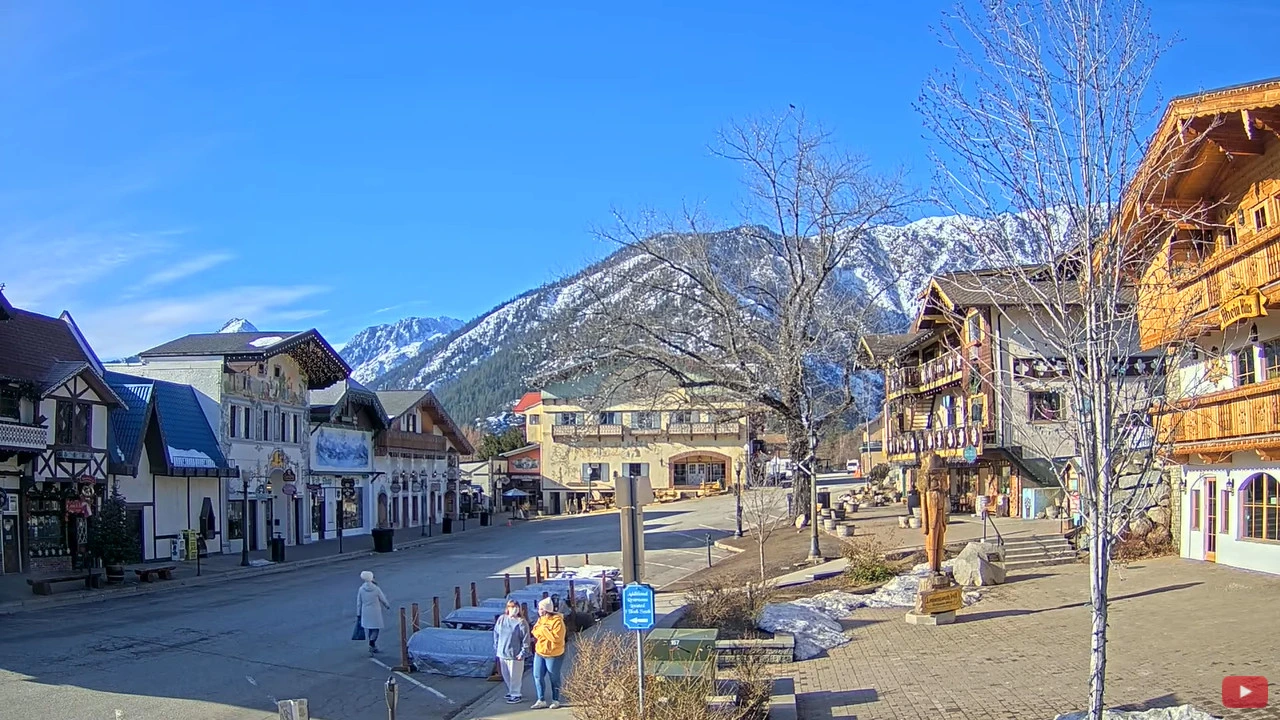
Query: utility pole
(737,466)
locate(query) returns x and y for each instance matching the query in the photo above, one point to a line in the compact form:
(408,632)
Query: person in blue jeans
(548,654)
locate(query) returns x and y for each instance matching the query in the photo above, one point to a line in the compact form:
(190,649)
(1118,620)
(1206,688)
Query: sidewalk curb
(85,597)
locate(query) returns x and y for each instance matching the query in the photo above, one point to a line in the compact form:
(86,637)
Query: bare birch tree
(1040,140)
(765,508)
(767,315)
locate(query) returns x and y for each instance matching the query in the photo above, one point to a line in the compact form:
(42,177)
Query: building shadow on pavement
(1014,612)
(823,703)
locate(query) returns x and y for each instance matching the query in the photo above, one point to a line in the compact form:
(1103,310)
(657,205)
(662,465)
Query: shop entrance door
(1211,520)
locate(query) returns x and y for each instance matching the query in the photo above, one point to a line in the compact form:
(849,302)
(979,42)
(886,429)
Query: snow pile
(814,632)
(266,341)
(260,563)
(900,592)
(835,604)
(1181,712)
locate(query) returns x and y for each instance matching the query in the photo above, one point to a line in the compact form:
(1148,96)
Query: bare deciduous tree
(765,508)
(766,316)
(1040,134)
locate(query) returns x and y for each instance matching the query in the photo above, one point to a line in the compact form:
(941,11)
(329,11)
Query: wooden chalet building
(54,408)
(1211,284)
(417,455)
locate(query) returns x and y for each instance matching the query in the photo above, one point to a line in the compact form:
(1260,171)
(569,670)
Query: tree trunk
(762,572)
(797,449)
(1099,565)
(811,463)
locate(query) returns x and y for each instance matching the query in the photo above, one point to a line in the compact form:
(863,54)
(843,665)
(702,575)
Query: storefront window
(46,527)
(317,512)
(235,520)
(1262,508)
(353,511)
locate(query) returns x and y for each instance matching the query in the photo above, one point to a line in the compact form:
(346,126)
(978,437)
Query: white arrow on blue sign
(637,607)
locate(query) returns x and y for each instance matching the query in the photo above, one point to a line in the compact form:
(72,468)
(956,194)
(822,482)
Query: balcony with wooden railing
(1196,293)
(717,429)
(927,376)
(610,432)
(21,436)
(948,442)
(900,381)
(574,432)
(1244,418)
(401,441)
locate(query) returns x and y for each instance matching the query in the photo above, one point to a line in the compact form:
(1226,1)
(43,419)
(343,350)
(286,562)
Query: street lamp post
(737,466)
(244,522)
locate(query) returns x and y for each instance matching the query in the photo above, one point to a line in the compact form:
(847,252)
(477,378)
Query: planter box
(775,651)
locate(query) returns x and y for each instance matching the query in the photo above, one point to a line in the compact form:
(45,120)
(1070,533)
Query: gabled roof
(879,348)
(328,404)
(6,310)
(44,352)
(526,401)
(398,402)
(318,359)
(189,444)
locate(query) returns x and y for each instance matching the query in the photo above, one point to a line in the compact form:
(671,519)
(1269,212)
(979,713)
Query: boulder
(979,564)
(1159,516)
(1140,526)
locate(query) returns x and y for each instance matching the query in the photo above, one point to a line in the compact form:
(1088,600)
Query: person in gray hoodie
(511,646)
(369,604)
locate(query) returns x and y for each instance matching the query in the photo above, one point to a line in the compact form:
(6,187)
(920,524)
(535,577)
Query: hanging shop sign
(1248,304)
(278,459)
(395,486)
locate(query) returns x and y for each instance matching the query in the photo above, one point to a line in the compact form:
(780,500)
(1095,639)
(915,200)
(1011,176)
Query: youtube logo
(1244,691)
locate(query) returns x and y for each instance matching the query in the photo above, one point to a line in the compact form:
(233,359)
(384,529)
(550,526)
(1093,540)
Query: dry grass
(867,563)
(731,610)
(785,551)
(602,685)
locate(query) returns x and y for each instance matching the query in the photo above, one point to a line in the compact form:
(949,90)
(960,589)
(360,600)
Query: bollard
(417,618)
(557,563)
(474,600)
(393,697)
(527,579)
(457,597)
(404,644)
(506,584)
(435,611)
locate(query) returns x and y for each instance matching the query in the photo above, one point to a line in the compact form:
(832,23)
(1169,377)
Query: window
(284,427)
(1045,406)
(647,420)
(595,472)
(75,423)
(533,419)
(352,510)
(235,519)
(411,422)
(1271,358)
(1224,513)
(234,422)
(568,418)
(977,410)
(973,326)
(635,469)
(1262,507)
(1260,217)
(295,428)
(1246,366)
(948,411)
(1195,509)
(248,423)
(10,404)
(610,418)
(681,417)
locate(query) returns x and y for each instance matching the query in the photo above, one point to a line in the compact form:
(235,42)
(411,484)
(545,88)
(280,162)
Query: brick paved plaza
(1177,628)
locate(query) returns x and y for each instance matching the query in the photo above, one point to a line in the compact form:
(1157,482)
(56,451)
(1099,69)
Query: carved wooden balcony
(20,436)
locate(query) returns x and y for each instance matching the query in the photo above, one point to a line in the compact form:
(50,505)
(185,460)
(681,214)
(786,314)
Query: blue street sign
(637,607)
(970,453)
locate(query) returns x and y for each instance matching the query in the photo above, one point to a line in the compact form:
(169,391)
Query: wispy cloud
(124,329)
(42,269)
(182,270)
(399,306)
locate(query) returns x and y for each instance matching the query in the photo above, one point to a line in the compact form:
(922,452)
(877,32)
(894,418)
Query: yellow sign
(279,459)
(191,538)
(933,602)
(1248,304)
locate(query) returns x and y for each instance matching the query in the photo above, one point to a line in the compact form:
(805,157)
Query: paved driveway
(1177,627)
(227,652)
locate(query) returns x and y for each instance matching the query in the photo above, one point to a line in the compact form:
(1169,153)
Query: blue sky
(166,168)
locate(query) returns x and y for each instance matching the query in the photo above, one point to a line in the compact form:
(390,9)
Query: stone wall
(780,649)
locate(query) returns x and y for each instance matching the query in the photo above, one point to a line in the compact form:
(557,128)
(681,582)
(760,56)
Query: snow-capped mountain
(480,369)
(380,349)
(238,325)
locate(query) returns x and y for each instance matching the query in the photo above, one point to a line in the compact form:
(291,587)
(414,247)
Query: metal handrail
(986,518)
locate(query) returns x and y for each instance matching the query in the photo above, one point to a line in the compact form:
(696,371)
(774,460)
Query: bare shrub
(731,610)
(867,563)
(602,685)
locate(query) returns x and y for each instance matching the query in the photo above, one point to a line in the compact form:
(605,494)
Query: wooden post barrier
(435,611)
(557,564)
(506,584)
(537,569)
(416,616)
(404,644)
(474,600)
(457,597)
(527,579)
(586,559)
(547,572)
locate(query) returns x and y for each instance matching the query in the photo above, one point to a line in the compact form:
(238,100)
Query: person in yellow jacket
(548,654)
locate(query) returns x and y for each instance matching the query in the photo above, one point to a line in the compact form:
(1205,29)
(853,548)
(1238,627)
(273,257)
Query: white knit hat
(366,576)
(546,604)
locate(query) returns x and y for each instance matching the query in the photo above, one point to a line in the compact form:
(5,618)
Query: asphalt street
(228,652)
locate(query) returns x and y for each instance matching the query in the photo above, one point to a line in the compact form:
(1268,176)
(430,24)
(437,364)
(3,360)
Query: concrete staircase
(1037,551)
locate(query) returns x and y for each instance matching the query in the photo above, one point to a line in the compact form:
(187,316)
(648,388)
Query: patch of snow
(814,632)
(266,341)
(190,458)
(900,592)
(1181,712)
(238,325)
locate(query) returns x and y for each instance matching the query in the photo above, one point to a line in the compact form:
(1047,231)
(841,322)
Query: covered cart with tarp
(452,653)
(472,618)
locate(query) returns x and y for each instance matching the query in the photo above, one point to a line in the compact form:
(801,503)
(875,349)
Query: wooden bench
(44,586)
(147,573)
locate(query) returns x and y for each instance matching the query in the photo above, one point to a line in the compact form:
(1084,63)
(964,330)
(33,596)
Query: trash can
(824,499)
(277,549)
(447,526)
(383,540)
(484,519)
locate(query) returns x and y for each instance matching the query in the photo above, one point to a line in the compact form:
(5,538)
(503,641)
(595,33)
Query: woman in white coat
(369,604)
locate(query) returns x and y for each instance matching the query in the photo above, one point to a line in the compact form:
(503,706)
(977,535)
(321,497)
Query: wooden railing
(929,375)
(947,442)
(572,432)
(1229,415)
(401,440)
